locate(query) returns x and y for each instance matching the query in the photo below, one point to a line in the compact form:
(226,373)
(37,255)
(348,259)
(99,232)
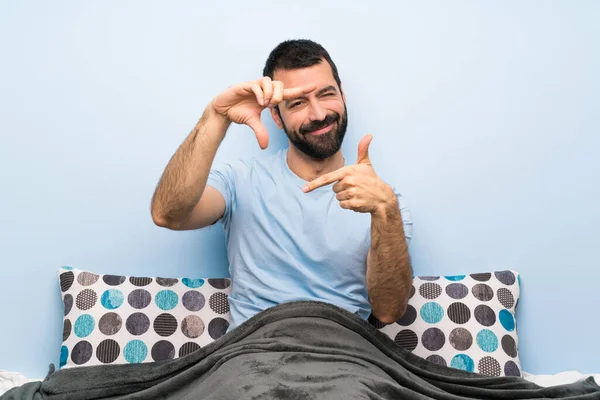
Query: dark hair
(296,54)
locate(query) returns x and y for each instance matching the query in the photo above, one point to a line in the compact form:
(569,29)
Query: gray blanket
(298,351)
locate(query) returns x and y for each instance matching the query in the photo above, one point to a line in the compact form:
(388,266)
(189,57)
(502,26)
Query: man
(301,224)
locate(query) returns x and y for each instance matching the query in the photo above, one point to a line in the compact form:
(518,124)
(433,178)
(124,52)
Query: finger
(267,88)
(292,93)
(257,92)
(325,180)
(354,205)
(363,150)
(277,93)
(345,195)
(260,131)
(341,185)
(347,204)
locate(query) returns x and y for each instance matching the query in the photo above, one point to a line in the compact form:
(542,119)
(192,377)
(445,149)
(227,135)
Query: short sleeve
(223,179)
(407,221)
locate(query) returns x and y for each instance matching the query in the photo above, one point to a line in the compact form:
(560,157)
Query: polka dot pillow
(110,319)
(464,321)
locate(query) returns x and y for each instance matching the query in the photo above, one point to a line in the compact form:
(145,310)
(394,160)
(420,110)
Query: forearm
(185,176)
(389,273)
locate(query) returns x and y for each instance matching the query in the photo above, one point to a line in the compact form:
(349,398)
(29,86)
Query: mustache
(316,125)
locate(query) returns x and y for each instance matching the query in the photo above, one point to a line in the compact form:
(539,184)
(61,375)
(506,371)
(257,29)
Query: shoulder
(244,167)
(264,164)
(267,160)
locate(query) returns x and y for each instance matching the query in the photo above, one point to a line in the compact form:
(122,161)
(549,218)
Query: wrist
(215,122)
(388,204)
(215,116)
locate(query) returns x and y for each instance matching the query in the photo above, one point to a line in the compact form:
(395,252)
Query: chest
(307,225)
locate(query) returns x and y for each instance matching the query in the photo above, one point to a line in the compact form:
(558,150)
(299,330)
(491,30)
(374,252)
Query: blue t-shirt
(285,245)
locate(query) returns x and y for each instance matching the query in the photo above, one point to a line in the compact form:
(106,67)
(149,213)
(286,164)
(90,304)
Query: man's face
(316,123)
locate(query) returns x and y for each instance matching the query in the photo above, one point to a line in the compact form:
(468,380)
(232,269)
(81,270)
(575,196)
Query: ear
(276,118)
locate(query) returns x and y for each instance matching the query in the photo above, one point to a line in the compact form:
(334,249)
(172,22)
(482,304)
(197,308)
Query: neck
(308,168)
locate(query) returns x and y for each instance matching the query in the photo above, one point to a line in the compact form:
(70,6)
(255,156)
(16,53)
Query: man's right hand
(243,103)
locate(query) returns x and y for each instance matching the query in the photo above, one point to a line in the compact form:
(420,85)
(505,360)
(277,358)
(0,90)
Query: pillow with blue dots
(462,321)
(113,319)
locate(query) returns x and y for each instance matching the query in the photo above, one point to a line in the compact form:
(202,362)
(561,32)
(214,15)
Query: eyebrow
(320,92)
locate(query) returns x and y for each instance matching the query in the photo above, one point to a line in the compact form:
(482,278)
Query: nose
(317,111)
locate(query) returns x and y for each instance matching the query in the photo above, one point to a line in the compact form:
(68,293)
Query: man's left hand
(358,187)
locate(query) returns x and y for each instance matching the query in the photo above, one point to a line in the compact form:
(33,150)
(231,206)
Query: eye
(328,94)
(294,104)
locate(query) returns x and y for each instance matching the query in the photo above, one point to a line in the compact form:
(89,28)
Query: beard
(321,146)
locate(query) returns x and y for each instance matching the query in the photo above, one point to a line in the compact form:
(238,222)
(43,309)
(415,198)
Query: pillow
(462,321)
(111,319)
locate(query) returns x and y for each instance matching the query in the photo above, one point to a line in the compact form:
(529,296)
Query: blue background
(484,114)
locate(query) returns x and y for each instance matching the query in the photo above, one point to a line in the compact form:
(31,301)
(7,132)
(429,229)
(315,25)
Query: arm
(180,200)
(389,273)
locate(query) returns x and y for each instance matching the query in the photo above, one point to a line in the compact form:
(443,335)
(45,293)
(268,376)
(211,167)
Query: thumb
(260,131)
(363,150)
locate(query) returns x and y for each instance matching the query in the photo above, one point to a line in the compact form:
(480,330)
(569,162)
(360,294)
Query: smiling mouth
(322,130)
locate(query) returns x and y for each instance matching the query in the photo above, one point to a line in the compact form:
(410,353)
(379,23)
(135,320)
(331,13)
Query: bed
(10,379)
(303,349)
(158,336)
